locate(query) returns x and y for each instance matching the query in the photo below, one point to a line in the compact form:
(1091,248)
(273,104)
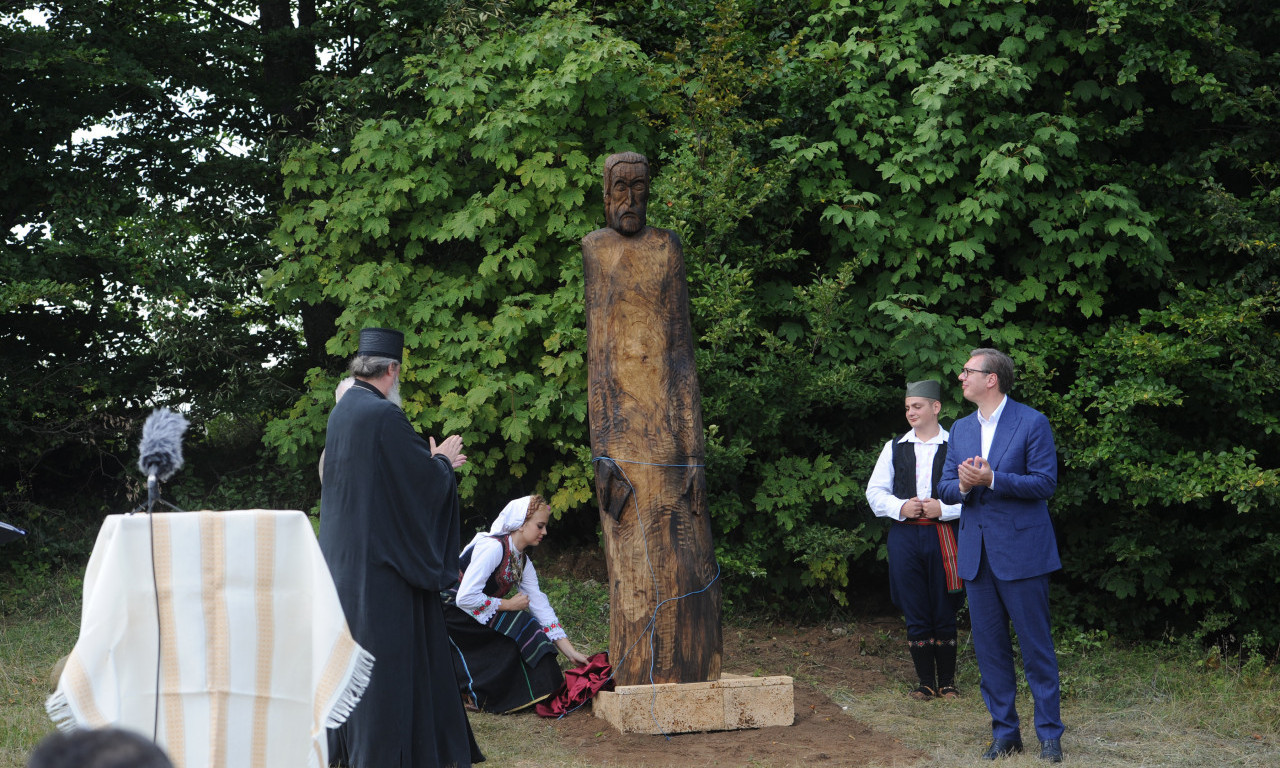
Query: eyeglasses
(972,371)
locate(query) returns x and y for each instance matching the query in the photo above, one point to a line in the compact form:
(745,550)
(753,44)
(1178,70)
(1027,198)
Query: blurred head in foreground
(97,748)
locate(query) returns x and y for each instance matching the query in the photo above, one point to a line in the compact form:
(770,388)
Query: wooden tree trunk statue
(646,438)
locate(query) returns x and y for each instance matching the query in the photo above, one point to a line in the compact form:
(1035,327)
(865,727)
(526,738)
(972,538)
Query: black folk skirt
(505,665)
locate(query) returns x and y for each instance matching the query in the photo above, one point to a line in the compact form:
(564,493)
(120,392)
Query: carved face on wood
(626,196)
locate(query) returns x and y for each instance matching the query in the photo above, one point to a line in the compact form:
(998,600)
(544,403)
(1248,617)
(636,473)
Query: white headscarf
(509,519)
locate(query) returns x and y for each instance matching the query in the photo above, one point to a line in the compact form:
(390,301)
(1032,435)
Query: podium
(217,634)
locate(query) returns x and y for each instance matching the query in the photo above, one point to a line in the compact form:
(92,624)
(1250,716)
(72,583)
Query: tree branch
(216,11)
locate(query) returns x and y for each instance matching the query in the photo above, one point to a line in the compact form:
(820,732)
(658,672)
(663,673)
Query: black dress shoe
(1002,748)
(1051,750)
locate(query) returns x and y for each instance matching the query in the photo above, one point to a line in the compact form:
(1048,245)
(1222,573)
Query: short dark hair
(98,748)
(997,362)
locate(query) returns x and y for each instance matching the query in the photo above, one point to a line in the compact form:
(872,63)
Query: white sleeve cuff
(484,613)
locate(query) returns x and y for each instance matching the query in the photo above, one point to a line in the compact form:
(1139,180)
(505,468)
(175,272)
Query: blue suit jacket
(1012,520)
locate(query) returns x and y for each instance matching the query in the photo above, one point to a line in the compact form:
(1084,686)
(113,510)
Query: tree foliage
(865,191)
(1040,177)
(138,180)
(456,216)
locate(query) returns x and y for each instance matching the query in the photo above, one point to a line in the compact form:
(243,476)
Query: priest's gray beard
(394,394)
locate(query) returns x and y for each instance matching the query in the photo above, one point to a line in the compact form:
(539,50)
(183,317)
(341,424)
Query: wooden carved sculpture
(646,440)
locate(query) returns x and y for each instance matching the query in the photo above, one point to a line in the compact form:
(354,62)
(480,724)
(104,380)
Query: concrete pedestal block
(731,703)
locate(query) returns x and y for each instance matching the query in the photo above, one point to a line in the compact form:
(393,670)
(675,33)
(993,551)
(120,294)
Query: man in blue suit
(1002,468)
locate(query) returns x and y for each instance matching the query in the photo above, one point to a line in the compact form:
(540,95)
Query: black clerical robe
(389,533)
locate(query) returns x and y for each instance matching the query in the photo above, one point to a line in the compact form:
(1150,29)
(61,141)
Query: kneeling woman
(504,648)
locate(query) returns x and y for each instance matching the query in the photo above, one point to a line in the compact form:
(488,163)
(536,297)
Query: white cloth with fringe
(247,640)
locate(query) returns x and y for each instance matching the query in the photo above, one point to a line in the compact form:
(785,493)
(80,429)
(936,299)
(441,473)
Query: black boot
(945,658)
(922,656)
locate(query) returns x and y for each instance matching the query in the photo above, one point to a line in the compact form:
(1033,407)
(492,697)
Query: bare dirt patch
(823,734)
(856,656)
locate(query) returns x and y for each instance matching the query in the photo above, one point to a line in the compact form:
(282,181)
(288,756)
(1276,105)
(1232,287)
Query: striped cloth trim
(947,541)
(256,661)
(527,633)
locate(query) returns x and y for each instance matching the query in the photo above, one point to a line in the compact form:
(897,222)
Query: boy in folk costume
(923,579)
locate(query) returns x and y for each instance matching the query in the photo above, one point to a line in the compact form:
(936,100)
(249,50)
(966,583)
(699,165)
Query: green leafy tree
(1060,179)
(778,370)
(865,191)
(456,216)
(1173,483)
(137,193)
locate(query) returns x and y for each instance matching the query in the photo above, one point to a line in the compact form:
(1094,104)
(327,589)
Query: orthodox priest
(389,533)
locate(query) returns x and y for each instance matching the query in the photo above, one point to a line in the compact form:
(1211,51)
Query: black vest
(904,469)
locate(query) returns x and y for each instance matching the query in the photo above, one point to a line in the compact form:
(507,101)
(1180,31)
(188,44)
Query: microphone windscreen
(160,452)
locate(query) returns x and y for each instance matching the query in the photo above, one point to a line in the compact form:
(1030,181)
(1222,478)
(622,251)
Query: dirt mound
(852,657)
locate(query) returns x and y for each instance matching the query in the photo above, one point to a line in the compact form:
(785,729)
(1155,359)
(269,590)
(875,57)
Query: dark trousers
(993,604)
(918,584)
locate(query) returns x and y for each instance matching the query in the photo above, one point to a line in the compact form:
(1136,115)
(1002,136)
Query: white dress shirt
(989,432)
(880,486)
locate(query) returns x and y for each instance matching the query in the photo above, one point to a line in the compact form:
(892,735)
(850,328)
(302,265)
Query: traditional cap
(927,388)
(381,342)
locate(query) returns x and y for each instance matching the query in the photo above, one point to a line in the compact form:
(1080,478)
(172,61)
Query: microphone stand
(153,492)
(161,452)
(153,497)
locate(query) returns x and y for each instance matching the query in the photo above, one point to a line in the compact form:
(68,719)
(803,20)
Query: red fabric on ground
(580,684)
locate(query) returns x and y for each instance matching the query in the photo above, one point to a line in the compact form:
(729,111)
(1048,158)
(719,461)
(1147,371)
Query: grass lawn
(36,629)
(1163,704)
(1167,704)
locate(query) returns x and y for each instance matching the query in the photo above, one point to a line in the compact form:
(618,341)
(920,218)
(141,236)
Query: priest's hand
(451,449)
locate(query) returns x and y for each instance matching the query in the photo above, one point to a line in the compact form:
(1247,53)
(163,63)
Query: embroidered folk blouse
(493,557)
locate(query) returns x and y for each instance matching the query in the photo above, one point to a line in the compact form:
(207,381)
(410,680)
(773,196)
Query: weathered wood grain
(646,434)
